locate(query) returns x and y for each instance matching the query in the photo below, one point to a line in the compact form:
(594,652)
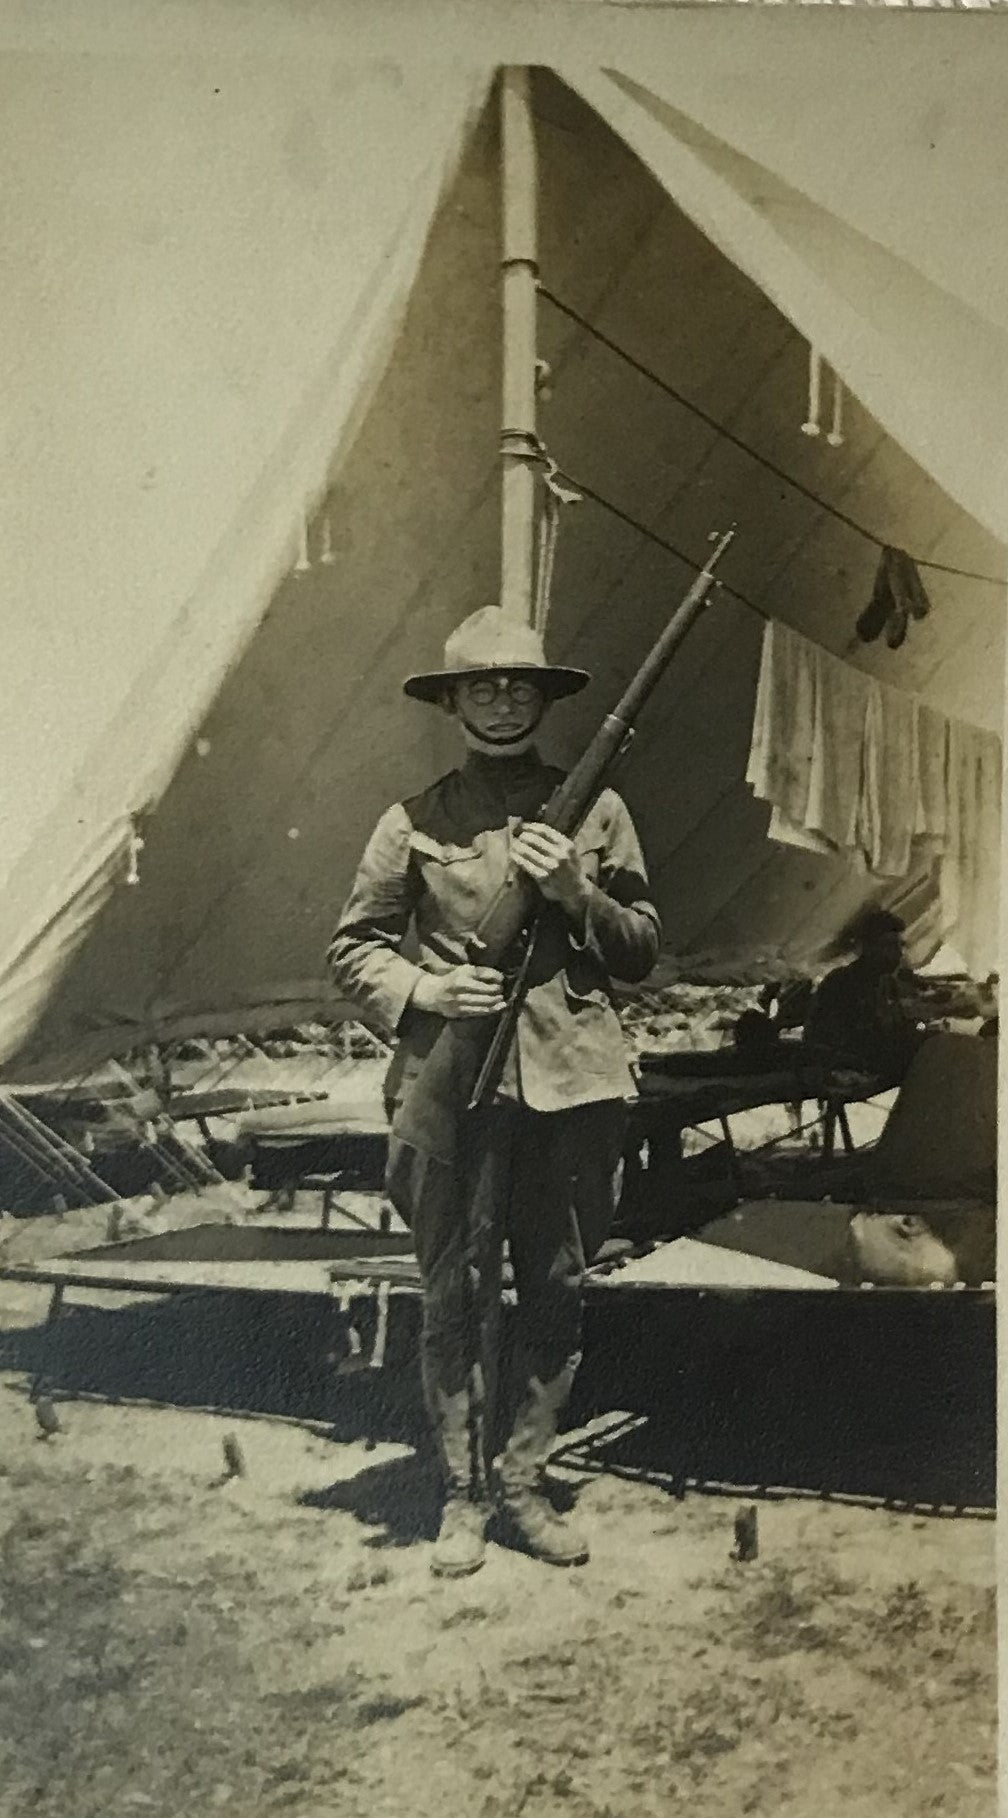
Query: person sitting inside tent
(537,1166)
(756,1036)
(858,1017)
(785,1002)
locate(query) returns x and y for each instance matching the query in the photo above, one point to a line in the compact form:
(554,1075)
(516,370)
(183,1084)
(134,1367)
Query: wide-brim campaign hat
(490,642)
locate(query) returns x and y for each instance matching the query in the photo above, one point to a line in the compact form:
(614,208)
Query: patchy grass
(169,1650)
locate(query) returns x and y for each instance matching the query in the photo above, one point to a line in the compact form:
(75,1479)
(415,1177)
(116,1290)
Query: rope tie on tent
(835,437)
(810,427)
(134,849)
(326,557)
(557,496)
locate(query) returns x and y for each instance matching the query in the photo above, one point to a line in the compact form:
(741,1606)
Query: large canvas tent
(253,295)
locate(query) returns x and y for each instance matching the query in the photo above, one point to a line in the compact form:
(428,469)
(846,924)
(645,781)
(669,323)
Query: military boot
(460,1547)
(535,1527)
(529,1518)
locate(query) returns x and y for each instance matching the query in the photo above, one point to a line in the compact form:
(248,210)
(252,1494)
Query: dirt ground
(172,1644)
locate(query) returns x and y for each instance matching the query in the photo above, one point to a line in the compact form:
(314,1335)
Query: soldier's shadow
(399,1500)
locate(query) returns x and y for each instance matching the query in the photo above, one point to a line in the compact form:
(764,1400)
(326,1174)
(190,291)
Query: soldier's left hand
(552,861)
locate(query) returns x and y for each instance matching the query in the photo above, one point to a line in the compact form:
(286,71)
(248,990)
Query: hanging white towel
(808,736)
(849,765)
(842,706)
(780,754)
(970,869)
(932,767)
(890,788)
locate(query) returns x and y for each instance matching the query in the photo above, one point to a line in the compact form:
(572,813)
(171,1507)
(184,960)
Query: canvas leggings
(545,1182)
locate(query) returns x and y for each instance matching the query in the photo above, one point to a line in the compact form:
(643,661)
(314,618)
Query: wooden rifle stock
(571,800)
(461,1059)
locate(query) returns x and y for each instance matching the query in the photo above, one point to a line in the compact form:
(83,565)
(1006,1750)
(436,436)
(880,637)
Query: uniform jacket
(436,862)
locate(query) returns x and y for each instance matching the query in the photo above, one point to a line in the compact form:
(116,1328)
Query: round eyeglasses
(518,688)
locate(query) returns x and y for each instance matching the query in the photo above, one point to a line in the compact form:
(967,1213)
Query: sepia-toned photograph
(505,520)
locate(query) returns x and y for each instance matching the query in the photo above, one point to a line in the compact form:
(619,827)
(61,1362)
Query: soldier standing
(537,1167)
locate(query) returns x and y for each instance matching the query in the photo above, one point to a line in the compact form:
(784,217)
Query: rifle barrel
(570,803)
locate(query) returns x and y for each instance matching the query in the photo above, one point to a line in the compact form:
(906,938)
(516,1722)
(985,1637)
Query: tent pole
(519,277)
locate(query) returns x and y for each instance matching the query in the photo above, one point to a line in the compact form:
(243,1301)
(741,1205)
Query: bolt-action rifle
(465,1061)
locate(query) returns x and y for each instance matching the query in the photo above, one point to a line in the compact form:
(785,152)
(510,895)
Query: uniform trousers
(544,1183)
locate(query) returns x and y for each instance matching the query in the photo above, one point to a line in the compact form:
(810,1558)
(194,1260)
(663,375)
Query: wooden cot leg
(52,1314)
(733,1160)
(829,1130)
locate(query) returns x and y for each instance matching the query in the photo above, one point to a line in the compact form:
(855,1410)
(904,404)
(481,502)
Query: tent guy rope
(746,448)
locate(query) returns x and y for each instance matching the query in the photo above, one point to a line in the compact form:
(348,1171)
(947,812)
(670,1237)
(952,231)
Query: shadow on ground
(869,1395)
(274,1354)
(872,1395)
(399,1499)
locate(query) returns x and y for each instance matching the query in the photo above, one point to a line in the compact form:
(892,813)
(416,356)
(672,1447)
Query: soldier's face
(500,709)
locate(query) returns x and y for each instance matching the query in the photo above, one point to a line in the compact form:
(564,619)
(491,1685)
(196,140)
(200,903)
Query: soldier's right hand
(465,991)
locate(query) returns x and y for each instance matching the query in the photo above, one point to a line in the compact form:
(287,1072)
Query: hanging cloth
(890,793)
(932,773)
(851,766)
(970,867)
(808,738)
